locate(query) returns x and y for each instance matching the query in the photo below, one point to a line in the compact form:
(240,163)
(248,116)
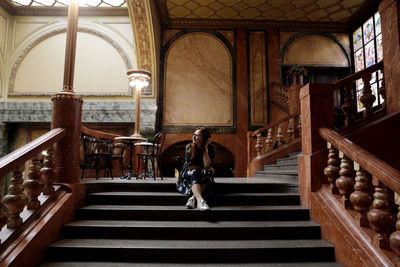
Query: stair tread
(282,171)
(191,244)
(130,264)
(184,196)
(181,207)
(192,224)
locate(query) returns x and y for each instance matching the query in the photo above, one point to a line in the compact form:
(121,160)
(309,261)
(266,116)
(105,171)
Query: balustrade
(367,98)
(39,179)
(368,189)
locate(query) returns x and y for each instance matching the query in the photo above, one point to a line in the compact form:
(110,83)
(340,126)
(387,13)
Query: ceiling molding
(235,23)
(62,11)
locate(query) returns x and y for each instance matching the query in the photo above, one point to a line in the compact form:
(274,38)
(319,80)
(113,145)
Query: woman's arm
(206,157)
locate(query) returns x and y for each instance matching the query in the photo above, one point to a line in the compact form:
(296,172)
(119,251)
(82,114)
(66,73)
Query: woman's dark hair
(205,133)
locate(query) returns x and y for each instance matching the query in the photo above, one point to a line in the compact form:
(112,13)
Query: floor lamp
(138,79)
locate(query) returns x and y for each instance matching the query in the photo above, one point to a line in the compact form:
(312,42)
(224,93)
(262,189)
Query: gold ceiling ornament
(63,3)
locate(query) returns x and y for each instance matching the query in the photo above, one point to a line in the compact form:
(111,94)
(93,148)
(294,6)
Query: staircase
(252,222)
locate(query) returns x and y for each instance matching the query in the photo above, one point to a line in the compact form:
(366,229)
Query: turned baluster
(15,200)
(345,183)
(367,98)
(382,90)
(361,197)
(298,127)
(279,136)
(349,108)
(258,145)
(48,172)
(290,131)
(33,185)
(394,238)
(332,170)
(3,216)
(268,140)
(380,218)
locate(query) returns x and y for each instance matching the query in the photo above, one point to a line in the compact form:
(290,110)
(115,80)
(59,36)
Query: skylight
(58,3)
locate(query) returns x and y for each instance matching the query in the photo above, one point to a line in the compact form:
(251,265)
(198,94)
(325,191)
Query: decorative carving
(33,185)
(349,108)
(66,96)
(49,172)
(380,217)
(298,128)
(15,200)
(367,98)
(345,183)
(395,236)
(332,170)
(361,197)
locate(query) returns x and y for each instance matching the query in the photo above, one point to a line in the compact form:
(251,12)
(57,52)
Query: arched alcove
(173,157)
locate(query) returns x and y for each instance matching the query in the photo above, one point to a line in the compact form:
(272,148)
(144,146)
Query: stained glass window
(368,50)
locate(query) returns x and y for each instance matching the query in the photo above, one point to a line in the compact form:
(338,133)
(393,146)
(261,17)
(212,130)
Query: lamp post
(138,79)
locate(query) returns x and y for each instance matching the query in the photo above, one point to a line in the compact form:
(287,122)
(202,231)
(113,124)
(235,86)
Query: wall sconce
(138,79)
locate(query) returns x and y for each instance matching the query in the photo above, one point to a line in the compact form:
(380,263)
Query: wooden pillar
(390,11)
(241,104)
(316,102)
(67,109)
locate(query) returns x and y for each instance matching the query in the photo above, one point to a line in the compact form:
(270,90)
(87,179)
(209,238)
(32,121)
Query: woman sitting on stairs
(197,173)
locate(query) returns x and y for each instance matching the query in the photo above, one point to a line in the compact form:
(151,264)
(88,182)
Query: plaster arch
(57,31)
(315,49)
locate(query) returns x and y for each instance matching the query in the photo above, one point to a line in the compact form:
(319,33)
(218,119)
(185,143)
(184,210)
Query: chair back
(89,144)
(117,149)
(157,144)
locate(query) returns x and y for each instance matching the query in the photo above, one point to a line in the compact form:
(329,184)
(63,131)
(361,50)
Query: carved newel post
(15,200)
(380,217)
(33,185)
(361,197)
(332,170)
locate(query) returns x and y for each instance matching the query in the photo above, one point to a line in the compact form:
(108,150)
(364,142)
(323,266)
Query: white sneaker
(191,203)
(202,205)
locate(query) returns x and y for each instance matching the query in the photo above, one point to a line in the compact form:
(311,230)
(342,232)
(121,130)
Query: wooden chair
(117,154)
(96,155)
(151,152)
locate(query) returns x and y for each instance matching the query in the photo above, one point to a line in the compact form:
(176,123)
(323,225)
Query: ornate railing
(280,96)
(38,181)
(367,99)
(367,187)
(271,137)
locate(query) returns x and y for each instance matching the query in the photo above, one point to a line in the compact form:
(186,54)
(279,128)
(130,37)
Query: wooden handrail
(98,134)
(358,75)
(18,157)
(379,169)
(275,123)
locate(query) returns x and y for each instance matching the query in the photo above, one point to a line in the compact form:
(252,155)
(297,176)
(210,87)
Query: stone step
(243,264)
(287,160)
(280,167)
(169,185)
(283,171)
(220,230)
(180,213)
(174,198)
(204,251)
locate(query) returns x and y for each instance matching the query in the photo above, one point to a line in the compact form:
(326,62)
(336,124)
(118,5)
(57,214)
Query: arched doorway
(173,158)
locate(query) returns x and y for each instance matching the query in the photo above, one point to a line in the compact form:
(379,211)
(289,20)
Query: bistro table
(130,140)
(146,145)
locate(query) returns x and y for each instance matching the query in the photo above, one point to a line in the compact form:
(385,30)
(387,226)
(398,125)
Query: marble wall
(198,82)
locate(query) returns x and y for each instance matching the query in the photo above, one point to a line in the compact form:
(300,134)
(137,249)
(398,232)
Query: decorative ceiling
(63,3)
(261,11)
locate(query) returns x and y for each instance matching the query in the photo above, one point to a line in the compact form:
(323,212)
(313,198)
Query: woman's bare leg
(197,190)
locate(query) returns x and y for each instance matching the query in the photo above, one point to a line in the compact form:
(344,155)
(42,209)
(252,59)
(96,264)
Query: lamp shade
(139,78)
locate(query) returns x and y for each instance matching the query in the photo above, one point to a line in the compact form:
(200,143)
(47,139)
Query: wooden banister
(275,123)
(358,75)
(18,157)
(98,134)
(379,169)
